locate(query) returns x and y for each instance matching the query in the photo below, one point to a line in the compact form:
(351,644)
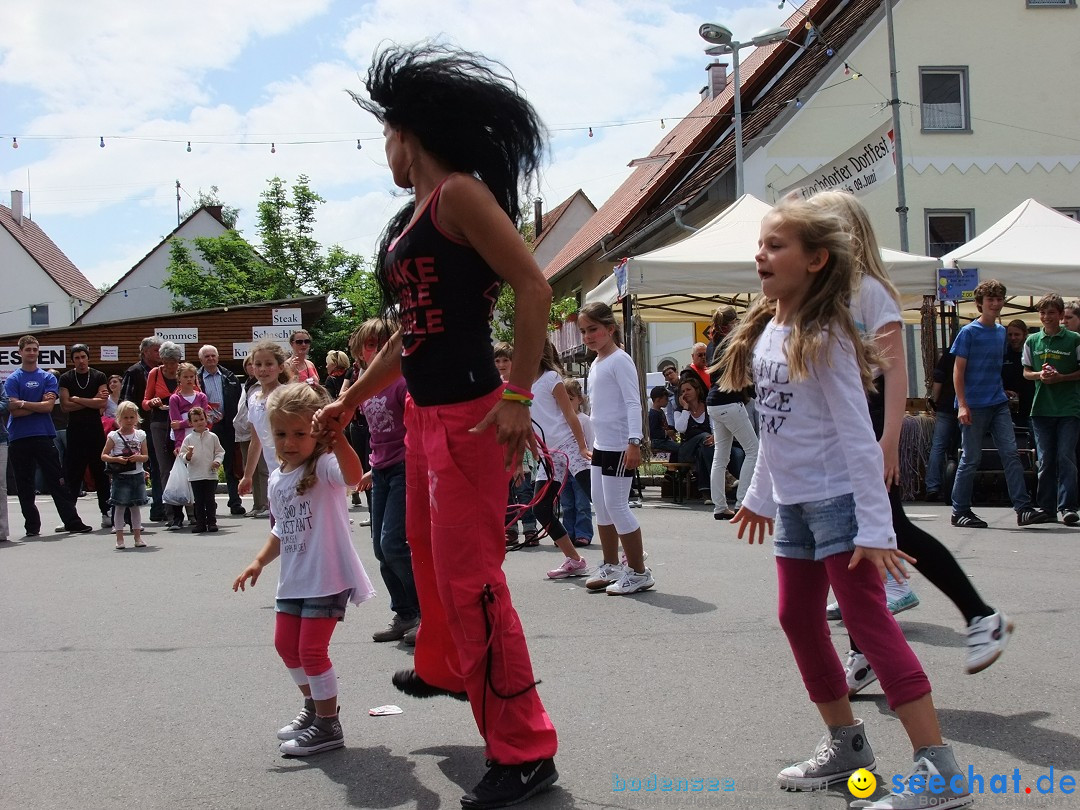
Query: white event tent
(1032,250)
(686,280)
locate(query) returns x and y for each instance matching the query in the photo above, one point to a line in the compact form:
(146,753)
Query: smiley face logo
(862,783)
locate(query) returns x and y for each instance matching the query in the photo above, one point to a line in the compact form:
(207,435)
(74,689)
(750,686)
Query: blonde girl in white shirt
(320,572)
(268,362)
(801,348)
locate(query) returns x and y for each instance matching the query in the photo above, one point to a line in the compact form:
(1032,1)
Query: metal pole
(894,102)
(738,120)
(177,203)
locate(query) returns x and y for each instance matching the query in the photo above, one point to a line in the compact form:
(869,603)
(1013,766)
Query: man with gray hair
(223,391)
(132,390)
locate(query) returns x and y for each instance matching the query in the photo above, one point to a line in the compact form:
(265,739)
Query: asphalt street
(139,679)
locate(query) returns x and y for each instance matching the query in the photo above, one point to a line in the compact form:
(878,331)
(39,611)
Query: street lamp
(722,42)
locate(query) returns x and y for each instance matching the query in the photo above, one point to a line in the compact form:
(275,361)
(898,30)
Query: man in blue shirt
(982,407)
(32,394)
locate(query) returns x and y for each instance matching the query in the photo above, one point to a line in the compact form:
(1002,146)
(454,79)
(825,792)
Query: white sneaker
(569,568)
(604,576)
(858,672)
(631,582)
(987,637)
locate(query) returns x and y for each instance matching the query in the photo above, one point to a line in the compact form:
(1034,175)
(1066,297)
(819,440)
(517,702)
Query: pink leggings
(804,587)
(304,642)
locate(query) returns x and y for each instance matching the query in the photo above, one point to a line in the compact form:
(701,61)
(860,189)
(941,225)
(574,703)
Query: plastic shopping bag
(178,489)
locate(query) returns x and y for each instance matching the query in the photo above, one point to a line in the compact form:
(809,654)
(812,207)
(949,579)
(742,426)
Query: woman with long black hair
(460,135)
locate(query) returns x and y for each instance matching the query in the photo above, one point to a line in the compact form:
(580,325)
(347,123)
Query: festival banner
(860,169)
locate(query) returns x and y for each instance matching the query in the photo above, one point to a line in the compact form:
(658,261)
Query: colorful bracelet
(511,396)
(514,389)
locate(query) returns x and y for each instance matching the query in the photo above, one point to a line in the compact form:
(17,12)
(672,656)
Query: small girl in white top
(576,500)
(800,346)
(126,446)
(564,455)
(616,409)
(202,451)
(268,361)
(320,571)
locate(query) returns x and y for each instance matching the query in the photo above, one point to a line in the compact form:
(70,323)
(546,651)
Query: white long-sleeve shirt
(616,401)
(817,441)
(208,450)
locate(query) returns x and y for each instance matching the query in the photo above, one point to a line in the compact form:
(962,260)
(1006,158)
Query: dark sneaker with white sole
(507,785)
(968,520)
(1032,516)
(324,734)
(1069,517)
(302,721)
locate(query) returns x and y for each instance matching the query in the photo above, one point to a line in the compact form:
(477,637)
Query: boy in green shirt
(1052,359)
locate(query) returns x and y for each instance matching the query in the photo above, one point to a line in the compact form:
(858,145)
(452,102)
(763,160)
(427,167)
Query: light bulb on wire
(273,149)
(189,146)
(101,143)
(358,146)
(14,143)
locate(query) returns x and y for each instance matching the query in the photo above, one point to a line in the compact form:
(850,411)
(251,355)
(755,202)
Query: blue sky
(232,77)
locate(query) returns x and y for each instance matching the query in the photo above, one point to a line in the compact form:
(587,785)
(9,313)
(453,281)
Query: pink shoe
(569,568)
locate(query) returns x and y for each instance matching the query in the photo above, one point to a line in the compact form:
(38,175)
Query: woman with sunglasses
(303,369)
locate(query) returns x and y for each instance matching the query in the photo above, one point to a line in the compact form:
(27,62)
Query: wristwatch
(634,442)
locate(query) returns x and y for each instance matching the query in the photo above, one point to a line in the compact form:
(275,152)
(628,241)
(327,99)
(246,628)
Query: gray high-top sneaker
(931,761)
(302,721)
(841,752)
(322,735)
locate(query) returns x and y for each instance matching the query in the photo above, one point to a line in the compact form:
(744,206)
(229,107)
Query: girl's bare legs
(567,547)
(632,547)
(609,543)
(920,722)
(918,716)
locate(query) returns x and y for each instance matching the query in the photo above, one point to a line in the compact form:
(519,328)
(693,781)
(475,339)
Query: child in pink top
(186,397)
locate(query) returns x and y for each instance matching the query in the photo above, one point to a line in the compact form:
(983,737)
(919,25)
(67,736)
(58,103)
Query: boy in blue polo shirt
(983,407)
(32,394)
(1052,358)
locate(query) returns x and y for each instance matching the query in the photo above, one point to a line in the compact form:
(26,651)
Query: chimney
(538,217)
(717,73)
(16,207)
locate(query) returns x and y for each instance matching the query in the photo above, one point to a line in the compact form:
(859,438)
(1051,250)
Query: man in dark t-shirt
(83,393)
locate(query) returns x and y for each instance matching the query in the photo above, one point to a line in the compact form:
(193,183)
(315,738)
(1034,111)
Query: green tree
(229,213)
(503,325)
(289,263)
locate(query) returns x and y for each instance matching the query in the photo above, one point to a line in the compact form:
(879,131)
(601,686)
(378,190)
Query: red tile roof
(49,257)
(661,187)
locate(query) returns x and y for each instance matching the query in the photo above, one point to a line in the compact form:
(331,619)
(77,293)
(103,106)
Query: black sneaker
(1069,517)
(78,528)
(1031,516)
(506,785)
(414,686)
(239,511)
(969,520)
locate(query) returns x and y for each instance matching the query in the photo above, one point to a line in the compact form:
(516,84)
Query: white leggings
(611,499)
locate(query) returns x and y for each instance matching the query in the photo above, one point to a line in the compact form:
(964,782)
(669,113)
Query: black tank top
(446,294)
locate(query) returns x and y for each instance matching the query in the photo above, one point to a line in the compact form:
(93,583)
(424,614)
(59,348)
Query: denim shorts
(817,529)
(128,489)
(316,607)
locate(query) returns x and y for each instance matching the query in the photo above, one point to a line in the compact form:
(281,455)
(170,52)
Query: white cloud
(138,71)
